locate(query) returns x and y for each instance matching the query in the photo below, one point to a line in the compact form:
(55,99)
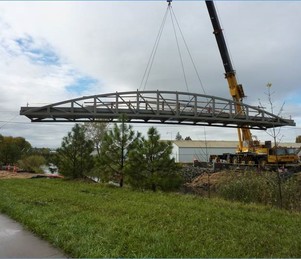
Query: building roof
(204,144)
(219,144)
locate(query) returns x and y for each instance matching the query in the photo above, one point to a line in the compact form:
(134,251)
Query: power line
(31,123)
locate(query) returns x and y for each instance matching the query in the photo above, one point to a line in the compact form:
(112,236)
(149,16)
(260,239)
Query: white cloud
(110,43)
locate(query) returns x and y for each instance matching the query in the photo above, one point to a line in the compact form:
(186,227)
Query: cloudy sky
(54,51)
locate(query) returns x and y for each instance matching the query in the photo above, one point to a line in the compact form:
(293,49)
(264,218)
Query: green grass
(90,220)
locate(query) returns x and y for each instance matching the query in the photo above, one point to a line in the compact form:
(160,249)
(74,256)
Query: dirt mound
(205,180)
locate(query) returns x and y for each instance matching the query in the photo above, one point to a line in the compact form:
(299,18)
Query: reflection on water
(50,169)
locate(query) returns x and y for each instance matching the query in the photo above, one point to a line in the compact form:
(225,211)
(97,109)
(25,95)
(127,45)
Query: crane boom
(249,151)
(246,144)
(220,38)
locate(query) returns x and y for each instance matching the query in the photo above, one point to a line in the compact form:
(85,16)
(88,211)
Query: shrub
(32,163)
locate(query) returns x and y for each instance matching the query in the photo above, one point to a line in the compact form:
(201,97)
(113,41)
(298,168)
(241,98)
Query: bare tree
(95,131)
(277,137)
(273,132)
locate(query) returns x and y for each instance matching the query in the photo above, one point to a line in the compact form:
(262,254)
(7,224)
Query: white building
(186,151)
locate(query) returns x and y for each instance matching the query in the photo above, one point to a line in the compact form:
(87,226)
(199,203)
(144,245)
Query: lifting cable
(195,69)
(155,47)
(188,51)
(153,53)
(179,50)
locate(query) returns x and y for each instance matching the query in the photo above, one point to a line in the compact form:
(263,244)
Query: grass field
(91,220)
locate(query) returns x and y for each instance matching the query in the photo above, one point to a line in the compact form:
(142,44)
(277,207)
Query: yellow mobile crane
(249,150)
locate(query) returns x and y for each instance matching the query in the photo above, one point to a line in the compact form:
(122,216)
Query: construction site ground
(15,175)
(24,175)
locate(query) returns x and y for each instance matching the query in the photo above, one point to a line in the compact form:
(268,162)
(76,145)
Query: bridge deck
(157,107)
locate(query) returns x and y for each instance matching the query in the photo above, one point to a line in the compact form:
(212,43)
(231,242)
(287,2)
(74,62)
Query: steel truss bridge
(169,107)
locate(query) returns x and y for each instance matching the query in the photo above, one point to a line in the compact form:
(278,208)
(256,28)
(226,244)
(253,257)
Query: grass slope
(89,220)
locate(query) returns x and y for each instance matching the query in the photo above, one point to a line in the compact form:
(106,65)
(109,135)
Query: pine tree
(179,136)
(150,165)
(116,145)
(74,155)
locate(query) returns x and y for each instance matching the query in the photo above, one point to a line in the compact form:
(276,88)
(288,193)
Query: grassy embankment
(90,220)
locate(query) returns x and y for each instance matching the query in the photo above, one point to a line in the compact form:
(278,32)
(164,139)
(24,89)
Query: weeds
(261,187)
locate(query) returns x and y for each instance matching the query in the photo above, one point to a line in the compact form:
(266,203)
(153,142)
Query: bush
(32,163)
(162,180)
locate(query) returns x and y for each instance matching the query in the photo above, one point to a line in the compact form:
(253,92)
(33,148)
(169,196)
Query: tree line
(18,152)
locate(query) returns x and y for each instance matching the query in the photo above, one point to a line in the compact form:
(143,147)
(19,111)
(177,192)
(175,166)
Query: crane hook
(169,2)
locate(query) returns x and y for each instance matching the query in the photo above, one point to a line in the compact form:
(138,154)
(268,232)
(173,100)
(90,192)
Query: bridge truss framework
(169,107)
